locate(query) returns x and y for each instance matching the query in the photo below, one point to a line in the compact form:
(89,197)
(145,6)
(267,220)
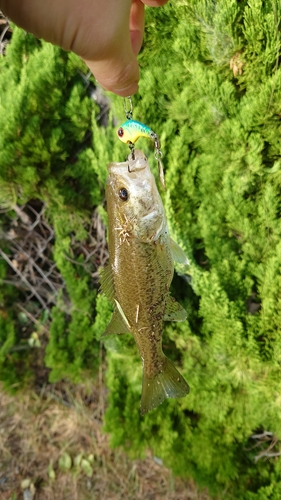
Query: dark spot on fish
(120,132)
(144,204)
(158,316)
(123,194)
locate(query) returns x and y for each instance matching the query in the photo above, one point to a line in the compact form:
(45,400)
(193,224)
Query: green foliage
(47,114)
(72,347)
(47,124)
(14,365)
(210,88)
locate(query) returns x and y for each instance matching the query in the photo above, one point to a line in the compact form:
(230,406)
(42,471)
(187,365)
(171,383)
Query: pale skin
(106,34)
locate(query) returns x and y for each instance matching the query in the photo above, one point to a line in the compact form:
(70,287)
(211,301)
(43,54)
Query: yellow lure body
(131,130)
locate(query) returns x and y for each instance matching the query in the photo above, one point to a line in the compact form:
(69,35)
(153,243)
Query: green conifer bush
(211,88)
(213,70)
(46,122)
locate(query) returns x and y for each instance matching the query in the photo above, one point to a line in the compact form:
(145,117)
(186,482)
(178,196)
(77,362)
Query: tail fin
(166,384)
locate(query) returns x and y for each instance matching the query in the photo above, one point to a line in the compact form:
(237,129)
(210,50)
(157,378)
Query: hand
(106,34)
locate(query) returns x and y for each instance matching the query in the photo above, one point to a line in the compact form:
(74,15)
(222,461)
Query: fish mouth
(131,165)
(136,164)
(135,176)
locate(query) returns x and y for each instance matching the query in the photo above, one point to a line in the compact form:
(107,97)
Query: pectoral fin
(174,311)
(178,253)
(162,254)
(116,325)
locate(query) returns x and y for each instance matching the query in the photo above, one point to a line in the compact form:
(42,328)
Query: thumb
(115,66)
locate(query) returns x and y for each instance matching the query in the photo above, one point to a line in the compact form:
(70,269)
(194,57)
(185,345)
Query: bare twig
(261,439)
(4,21)
(32,269)
(267,454)
(26,282)
(33,319)
(265,434)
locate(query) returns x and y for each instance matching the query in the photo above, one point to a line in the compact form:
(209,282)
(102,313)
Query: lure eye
(123,194)
(120,132)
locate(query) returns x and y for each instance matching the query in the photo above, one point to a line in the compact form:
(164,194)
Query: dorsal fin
(178,253)
(174,311)
(106,282)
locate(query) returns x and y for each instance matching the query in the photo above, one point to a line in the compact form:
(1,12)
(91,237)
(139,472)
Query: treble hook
(132,149)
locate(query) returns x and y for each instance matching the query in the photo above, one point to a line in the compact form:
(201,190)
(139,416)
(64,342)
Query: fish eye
(123,194)
(120,132)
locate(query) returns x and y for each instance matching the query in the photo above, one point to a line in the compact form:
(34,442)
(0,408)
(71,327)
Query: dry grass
(38,431)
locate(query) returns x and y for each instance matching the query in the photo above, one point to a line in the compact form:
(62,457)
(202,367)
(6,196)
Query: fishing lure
(131,130)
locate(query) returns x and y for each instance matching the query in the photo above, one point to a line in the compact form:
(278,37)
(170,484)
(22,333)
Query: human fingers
(97,30)
(106,34)
(136,25)
(118,69)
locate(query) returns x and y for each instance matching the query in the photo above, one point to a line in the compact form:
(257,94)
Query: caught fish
(139,274)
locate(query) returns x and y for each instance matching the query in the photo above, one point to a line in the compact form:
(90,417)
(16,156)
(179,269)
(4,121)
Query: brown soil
(38,432)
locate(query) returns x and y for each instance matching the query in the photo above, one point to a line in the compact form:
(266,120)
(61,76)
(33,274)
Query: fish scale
(147,330)
(140,272)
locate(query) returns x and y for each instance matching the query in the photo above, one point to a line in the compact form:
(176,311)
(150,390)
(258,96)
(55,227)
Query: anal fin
(174,311)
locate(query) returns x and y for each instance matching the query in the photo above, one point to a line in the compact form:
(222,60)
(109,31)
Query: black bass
(139,274)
